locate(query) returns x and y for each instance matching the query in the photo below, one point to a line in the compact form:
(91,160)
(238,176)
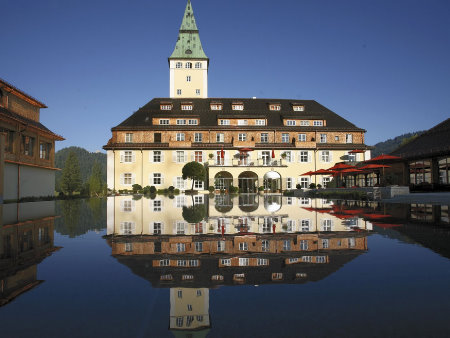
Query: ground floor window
(444,170)
(325,181)
(420,172)
(304,182)
(179,183)
(289,184)
(198,184)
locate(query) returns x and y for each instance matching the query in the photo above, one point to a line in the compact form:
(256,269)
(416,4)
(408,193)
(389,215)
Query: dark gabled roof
(253,108)
(434,142)
(19,118)
(22,94)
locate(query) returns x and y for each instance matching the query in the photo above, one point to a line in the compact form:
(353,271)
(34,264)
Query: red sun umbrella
(384,157)
(274,228)
(222,153)
(351,170)
(387,225)
(374,166)
(341,166)
(223,230)
(323,172)
(273,153)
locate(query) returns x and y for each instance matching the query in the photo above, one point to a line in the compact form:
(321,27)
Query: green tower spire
(188,45)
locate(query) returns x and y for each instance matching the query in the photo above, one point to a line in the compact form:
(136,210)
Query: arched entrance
(223,180)
(248,182)
(272,181)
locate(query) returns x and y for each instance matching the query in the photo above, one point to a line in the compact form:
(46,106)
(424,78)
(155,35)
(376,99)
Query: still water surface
(253,266)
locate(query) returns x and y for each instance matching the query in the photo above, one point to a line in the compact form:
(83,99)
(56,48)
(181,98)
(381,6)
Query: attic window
(238,106)
(186,106)
(166,106)
(216,106)
(275,106)
(299,108)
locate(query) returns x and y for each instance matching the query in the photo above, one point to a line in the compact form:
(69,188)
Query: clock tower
(188,63)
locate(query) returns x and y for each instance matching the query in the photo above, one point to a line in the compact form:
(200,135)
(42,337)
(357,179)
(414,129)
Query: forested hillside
(390,145)
(85,159)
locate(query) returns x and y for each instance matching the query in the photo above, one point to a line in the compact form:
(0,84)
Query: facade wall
(142,166)
(20,106)
(34,181)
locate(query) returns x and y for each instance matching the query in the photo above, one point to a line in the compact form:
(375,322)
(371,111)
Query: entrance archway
(223,180)
(248,182)
(272,181)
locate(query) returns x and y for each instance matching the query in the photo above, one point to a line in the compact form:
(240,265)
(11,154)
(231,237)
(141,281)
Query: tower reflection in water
(26,238)
(191,244)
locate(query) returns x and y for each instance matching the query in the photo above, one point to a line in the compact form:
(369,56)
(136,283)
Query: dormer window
(189,65)
(242,122)
(275,106)
(224,122)
(186,106)
(304,123)
(216,106)
(299,107)
(166,106)
(181,122)
(290,122)
(238,106)
(318,123)
(164,121)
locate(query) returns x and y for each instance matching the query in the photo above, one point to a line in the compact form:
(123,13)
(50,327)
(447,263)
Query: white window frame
(242,122)
(349,138)
(193,122)
(178,91)
(157,156)
(128,137)
(164,122)
(157,205)
(243,246)
(224,122)
(323,138)
(304,123)
(180,137)
(216,106)
(289,183)
(301,137)
(237,106)
(298,108)
(198,137)
(220,137)
(188,65)
(260,122)
(198,65)
(197,92)
(285,138)
(166,107)
(291,122)
(181,122)
(188,78)
(264,138)
(242,137)
(157,179)
(325,156)
(304,182)
(318,123)
(179,65)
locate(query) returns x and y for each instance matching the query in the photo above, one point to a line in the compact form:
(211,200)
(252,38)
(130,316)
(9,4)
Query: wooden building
(427,159)
(27,158)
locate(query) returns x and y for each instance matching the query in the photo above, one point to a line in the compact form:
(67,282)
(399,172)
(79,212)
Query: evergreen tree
(96,184)
(71,177)
(195,171)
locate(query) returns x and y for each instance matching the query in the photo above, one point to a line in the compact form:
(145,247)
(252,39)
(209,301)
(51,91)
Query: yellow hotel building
(246,142)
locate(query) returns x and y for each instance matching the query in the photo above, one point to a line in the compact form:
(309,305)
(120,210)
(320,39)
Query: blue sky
(383,65)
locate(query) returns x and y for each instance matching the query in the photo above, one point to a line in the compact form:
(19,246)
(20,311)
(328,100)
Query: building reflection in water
(250,240)
(26,238)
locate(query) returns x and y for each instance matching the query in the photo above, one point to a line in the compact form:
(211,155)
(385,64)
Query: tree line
(82,172)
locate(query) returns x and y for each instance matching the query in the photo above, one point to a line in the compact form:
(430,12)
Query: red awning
(245,150)
(357,151)
(383,157)
(373,166)
(341,166)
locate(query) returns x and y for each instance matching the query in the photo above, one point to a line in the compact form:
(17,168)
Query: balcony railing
(247,163)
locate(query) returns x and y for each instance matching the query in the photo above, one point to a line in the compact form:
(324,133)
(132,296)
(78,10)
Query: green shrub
(211,188)
(136,188)
(176,191)
(298,186)
(171,188)
(233,190)
(152,189)
(261,188)
(312,186)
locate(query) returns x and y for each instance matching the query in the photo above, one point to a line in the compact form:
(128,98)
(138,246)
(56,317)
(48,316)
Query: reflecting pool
(217,266)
